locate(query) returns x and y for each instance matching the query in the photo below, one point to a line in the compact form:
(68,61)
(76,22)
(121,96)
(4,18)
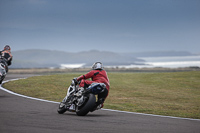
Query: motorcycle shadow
(94,114)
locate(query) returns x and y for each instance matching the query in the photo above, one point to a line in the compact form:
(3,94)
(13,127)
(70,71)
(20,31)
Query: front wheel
(1,79)
(85,108)
(61,109)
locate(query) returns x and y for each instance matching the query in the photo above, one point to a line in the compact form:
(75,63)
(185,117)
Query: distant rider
(6,56)
(98,75)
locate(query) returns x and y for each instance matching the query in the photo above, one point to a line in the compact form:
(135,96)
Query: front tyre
(83,110)
(61,108)
(1,79)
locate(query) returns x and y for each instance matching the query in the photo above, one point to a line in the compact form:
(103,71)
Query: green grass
(173,94)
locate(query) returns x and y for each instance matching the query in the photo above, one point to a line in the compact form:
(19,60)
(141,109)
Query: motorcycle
(81,100)
(3,69)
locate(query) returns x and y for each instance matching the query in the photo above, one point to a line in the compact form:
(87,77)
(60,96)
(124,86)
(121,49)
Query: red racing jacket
(99,76)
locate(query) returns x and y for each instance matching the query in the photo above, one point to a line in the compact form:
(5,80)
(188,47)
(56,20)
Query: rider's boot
(98,105)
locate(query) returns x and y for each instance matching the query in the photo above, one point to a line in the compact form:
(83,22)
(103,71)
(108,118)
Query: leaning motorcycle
(81,100)
(3,69)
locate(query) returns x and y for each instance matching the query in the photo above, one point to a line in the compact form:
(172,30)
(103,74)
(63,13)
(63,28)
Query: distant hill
(35,58)
(46,58)
(157,54)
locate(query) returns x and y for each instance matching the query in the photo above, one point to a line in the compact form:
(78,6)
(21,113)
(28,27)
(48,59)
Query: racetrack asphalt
(23,115)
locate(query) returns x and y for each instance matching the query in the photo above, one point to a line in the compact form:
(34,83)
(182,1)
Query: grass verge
(172,94)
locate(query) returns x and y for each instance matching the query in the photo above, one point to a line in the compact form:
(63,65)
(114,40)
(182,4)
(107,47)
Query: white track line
(162,116)
(11,92)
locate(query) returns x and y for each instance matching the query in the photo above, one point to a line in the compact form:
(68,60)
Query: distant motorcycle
(80,100)
(3,69)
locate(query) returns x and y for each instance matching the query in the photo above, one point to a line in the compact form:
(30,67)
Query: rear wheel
(85,108)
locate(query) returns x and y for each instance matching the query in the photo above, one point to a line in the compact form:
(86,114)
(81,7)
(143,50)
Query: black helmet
(7,47)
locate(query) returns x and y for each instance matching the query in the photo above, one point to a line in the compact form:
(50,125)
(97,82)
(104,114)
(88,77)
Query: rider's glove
(75,80)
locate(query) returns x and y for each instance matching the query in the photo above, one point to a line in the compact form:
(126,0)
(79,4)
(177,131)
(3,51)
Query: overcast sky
(105,25)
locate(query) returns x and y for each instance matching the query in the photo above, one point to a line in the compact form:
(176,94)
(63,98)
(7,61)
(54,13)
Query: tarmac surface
(24,115)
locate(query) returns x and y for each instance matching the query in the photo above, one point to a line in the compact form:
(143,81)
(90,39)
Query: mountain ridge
(39,58)
(51,58)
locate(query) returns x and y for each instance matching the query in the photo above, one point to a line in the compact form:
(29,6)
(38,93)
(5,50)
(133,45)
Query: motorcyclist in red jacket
(98,75)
